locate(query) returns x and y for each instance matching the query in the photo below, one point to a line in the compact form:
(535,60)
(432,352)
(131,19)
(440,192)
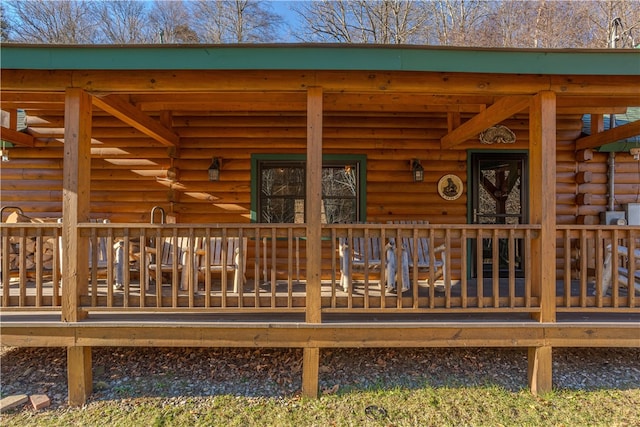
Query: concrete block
(39,401)
(13,401)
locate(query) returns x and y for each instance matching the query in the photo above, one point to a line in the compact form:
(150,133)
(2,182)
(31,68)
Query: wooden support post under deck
(539,370)
(75,200)
(79,376)
(311,359)
(310,371)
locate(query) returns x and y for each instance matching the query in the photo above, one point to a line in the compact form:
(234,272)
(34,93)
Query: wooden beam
(314,203)
(76,181)
(612,135)
(592,110)
(111,81)
(21,329)
(131,115)
(540,369)
(17,138)
(310,371)
(542,204)
(79,375)
(499,111)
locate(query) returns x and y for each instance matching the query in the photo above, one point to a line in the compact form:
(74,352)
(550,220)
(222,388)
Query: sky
(283,8)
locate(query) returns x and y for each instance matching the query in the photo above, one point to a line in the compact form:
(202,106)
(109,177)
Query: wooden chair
(628,269)
(420,247)
(233,259)
(174,255)
(364,254)
(99,256)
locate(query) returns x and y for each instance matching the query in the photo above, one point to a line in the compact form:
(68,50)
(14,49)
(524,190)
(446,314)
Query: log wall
(131,173)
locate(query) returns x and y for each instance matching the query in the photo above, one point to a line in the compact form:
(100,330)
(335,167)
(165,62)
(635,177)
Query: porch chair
(233,260)
(98,255)
(624,269)
(365,253)
(176,254)
(420,247)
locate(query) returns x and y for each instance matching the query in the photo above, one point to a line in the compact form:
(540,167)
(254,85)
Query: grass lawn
(426,406)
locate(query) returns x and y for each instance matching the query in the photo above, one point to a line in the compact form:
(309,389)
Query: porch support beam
(79,375)
(75,200)
(75,209)
(542,206)
(608,136)
(542,181)
(313,210)
(17,138)
(131,115)
(539,369)
(497,112)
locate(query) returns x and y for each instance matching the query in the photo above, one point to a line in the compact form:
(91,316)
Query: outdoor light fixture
(417,170)
(4,153)
(214,169)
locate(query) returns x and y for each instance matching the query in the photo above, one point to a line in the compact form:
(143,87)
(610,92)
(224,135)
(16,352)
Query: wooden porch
(271,308)
(124,136)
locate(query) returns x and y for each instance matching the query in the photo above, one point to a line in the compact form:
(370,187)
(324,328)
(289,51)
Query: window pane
(339,211)
(283,181)
(283,191)
(338,181)
(282,210)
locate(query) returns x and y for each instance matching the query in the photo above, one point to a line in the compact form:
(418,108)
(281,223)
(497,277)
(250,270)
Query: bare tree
(172,22)
(458,22)
(4,25)
(236,21)
(55,22)
(123,21)
(609,19)
(363,21)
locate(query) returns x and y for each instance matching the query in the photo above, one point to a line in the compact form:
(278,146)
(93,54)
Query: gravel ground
(121,373)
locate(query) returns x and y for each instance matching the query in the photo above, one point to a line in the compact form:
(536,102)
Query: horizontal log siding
(129,169)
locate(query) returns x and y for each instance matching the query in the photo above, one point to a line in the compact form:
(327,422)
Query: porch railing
(584,283)
(486,268)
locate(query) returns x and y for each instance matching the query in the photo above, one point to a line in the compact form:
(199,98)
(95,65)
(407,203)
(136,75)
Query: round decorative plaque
(450,187)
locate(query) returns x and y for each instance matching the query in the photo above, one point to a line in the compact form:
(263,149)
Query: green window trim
(256,160)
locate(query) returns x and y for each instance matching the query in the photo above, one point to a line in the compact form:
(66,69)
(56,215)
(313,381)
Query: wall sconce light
(4,153)
(417,170)
(214,169)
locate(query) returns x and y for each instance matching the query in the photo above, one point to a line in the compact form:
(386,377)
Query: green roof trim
(320,57)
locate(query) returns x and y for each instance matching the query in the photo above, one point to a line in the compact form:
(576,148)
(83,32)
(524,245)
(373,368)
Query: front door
(499,196)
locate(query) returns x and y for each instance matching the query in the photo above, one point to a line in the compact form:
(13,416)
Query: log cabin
(502,161)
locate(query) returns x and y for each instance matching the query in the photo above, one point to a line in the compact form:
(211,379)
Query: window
(279,192)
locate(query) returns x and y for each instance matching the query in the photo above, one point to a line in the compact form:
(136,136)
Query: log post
(539,369)
(75,201)
(542,178)
(313,206)
(79,375)
(311,359)
(75,209)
